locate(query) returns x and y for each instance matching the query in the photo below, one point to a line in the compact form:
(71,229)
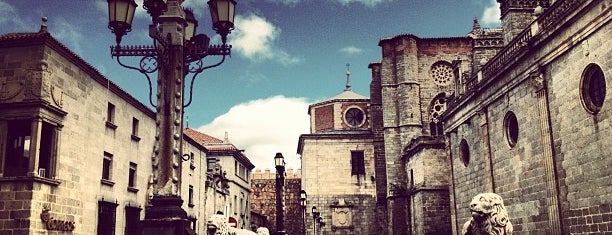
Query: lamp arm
(146,75)
(195,74)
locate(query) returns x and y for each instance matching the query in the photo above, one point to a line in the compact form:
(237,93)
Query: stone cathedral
(522,111)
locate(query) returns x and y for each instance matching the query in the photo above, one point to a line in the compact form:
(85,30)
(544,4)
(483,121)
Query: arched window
(593,88)
(438,106)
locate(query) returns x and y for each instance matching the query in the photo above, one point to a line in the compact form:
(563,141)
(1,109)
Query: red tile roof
(209,142)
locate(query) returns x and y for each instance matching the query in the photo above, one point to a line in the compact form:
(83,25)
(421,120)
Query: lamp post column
(166,182)
(280,181)
(170,85)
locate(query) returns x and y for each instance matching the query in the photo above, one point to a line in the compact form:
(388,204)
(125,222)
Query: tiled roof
(347,95)
(200,137)
(209,142)
(213,144)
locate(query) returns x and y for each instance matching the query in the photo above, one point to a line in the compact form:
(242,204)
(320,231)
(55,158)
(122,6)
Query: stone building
(75,149)
(338,165)
(263,200)
(228,181)
(521,111)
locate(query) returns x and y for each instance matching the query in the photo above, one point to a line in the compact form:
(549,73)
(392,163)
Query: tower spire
(348,77)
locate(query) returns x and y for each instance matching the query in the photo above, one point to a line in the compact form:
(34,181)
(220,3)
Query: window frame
(110,116)
(106,211)
(358,163)
(511,129)
(107,169)
(133,177)
(586,90)
(464,152)
(46,145)
(135,128)
(132,219)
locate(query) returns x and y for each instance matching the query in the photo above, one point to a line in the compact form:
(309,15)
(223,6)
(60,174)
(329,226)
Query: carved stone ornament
(10,88)
(489,216)
(537,80)
(342,216)
(39,79)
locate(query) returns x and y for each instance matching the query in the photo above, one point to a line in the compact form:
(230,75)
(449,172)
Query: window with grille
(106,218)
(132,218)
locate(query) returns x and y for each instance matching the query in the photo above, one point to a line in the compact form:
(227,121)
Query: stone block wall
(263,199)
(73,87)
(581,140)
(555,180)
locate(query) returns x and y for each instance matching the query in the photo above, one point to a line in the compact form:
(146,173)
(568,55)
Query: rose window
(442,74)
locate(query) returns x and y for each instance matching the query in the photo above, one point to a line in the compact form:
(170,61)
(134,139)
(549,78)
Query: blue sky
(286,55)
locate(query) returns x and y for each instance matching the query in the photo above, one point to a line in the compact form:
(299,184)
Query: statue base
(165,217)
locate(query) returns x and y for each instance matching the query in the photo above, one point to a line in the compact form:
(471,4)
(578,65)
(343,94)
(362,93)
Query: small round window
(464,152)
(593,88)
(512,129)
(354,117)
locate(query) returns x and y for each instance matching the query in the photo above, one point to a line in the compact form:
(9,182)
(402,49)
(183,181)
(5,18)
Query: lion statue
(217,225)
(489,216)
(263,231)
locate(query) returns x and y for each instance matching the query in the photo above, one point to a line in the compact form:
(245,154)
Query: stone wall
(554,180)
(263,199)
(73,97)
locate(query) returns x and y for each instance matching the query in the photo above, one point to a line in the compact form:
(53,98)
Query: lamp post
(315,216)
(175,53)
(279,161)
(303,197)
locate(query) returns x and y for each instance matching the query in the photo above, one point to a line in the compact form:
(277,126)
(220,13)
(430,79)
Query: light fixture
(303,197)
(279,160)
(192,24)
(120,16)
(222,13)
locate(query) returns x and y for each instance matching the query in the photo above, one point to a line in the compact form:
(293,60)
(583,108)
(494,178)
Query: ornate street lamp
(120,16)
(175,53)
(279,161)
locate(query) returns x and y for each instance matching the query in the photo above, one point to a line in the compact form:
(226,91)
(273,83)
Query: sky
(286,55)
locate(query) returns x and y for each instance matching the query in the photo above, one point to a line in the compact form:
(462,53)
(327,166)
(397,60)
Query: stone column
(486,143)
(552,195)
(35,134)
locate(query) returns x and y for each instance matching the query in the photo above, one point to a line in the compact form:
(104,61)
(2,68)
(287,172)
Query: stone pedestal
(165,217)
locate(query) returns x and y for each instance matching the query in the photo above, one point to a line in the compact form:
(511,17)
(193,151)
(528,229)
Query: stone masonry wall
(556,176)
(263,199)
(582,140)
(407,92)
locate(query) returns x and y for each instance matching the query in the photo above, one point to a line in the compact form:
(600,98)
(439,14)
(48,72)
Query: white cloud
(264,127)
(285,2)
(255,37)
(67,33)
(9,16)
(351,50)
(369,3)
(491,15)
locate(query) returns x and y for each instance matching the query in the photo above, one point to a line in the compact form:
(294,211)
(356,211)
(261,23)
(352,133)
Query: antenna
(348,76)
